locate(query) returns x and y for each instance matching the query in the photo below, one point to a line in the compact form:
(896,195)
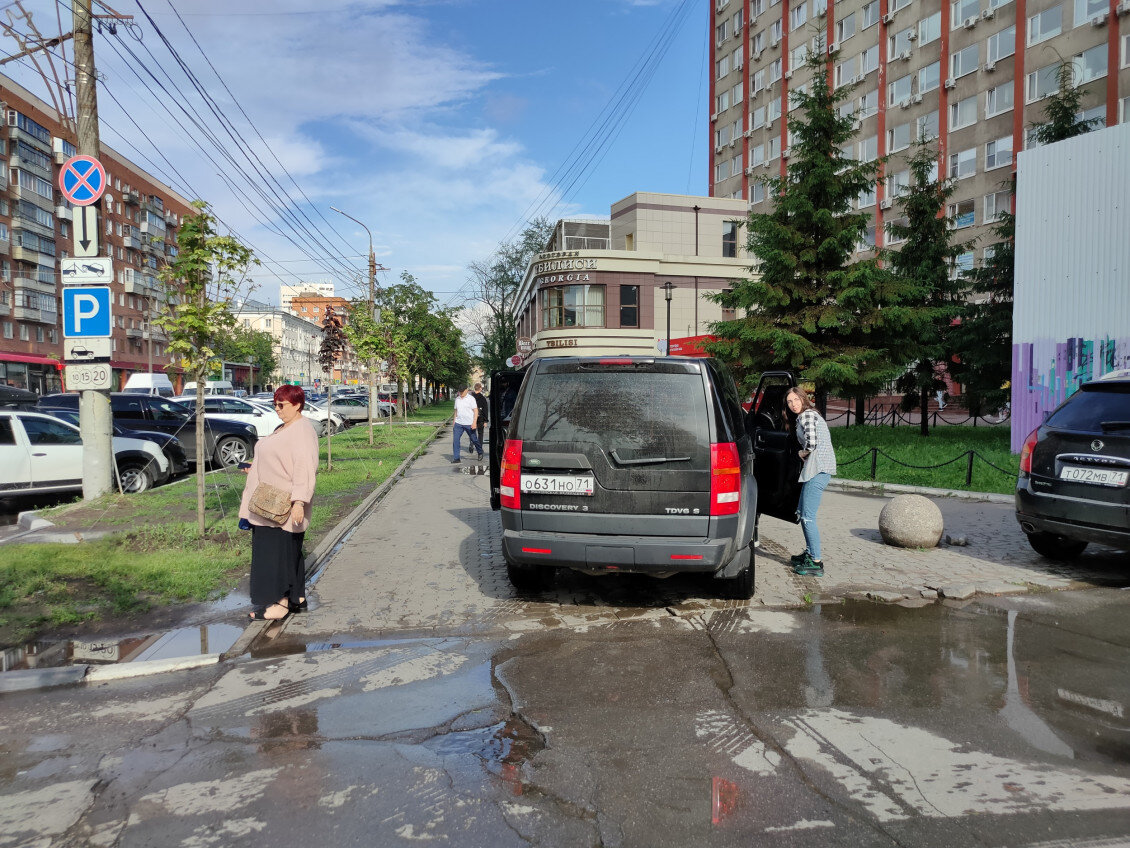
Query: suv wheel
(739,588)
(135,477)
(527,579)
(1055,547)
(232,451)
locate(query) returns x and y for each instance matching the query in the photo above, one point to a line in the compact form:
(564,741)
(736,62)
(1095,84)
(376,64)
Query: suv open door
(775,447)
(504,387)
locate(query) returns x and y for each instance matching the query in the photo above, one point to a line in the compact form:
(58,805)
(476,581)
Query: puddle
(170,644)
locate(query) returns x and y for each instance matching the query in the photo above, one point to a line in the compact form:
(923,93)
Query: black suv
(1074,473)
(622,464)
(226,443)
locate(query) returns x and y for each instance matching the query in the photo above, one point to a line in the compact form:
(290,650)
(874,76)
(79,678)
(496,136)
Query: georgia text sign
(86,312)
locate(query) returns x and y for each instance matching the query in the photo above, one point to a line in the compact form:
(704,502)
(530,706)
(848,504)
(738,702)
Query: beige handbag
(270,502)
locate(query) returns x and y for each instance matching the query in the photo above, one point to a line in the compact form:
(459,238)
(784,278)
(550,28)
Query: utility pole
(95,418)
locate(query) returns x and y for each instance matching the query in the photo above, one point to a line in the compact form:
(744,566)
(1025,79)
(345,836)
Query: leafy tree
(200,284)
(983,339)
(256,347)
(926,260)
(810,307)
(495,282)
(1062,110)
(331,350)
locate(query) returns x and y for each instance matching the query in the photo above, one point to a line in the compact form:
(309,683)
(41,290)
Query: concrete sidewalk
(428,559)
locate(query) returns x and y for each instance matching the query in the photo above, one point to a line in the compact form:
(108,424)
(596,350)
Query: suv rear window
(639,414)
(1092,406)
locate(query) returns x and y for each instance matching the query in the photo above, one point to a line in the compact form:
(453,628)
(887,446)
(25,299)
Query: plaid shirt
(812,433)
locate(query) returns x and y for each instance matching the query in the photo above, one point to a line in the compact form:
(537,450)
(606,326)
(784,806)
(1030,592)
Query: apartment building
(970,74)
(289,293)
(313,308)
(296,341)
(606,286)
(138,220)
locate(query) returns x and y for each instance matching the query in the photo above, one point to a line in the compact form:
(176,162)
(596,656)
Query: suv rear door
(504,386)
(776,463)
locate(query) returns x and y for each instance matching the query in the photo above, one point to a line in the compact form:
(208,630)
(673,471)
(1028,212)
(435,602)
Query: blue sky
(438,124)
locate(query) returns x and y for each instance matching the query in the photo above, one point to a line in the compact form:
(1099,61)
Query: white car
(263,419)
(316,414)
(40,454)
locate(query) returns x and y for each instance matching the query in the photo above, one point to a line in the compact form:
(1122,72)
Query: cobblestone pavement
(427,559)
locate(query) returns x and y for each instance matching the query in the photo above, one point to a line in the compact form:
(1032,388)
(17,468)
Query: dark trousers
(278,568)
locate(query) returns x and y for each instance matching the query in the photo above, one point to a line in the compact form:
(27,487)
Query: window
(1043,82)
(722,67)
(965,61)
(963,113)
(995,204)
(776,30)
(573,306)
(926,126)
(722,31)
(774,110)
(963,213)
(998,100)
(962,9)
(898,137)
(1087,9)
(930,29)
(962,264)
(869,104)
(756,7)
(759,42)
(1095,116)
(758,82)
(774,71)
(998,153)
(44,431)
(756,155)
(963,163)
(929,77)
(897,239)
(845,29)
(757,192)
(7,328)
(845,71)
(1124,106)
(869,14)
(736,94)
(869,59)
(798,55)
(869,149)
(1090,64)
(629,306)
(1001,44)
(757,118)
(866,198)
(738,57)
(721,172)
(1045,25)
(901,41)
(797,16)
(899,90)
(794,99)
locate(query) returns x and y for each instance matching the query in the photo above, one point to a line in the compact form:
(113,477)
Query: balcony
(21,193)
(131,197)
(5,247)
(29,284)
(26,254)
(33,313)
(136,333)
(15,134)
(64,212)
(19,222)
(156,208)
(130,241)
(17,161)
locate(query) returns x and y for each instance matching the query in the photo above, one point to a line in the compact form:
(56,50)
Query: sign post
(87,319)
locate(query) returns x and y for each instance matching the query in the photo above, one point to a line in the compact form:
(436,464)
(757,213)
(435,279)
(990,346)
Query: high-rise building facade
(138,218)
(969,74)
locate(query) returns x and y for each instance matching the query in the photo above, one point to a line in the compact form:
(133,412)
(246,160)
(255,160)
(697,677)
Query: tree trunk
(329,423)
(923,401)
(860,411)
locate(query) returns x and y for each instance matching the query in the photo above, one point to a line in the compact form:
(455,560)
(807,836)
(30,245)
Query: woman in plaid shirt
(819,466)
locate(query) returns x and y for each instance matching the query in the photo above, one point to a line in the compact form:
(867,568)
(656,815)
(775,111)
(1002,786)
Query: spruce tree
(809,306)
(1062,110)
(925,260)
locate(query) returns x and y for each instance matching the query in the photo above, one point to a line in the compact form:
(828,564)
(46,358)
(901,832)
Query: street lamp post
(667,287)
(373,311)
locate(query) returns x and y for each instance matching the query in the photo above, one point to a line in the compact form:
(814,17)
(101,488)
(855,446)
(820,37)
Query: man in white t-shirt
(466,418)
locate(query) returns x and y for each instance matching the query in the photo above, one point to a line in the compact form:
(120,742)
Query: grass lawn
(153,555)
(948,447)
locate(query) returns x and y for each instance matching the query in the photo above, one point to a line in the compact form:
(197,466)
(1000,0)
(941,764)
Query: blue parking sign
(86,312)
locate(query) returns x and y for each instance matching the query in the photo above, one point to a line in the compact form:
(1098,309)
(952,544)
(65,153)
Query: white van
(211,387)
(149,384)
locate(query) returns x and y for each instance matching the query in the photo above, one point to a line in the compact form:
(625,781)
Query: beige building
(296,341)
(601,286)
(969,74)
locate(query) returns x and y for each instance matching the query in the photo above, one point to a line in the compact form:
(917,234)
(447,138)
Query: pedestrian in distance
(286,460)
(466,420)
(819,466)
(481,400)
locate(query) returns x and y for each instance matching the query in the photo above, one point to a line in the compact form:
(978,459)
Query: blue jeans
(810,494)
(460,429)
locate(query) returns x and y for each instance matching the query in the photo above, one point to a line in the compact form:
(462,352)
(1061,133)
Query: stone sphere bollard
(911,521)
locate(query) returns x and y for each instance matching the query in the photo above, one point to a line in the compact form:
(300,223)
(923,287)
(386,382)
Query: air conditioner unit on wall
(737,66)
(918,98)
(969,23)
(832,47)
(886,203)
(911,36)
(951,82)
(749,171)
(789,73)
(1122,8)
(1098,20)
(905,104)
(889,18)
(905,55)
(714,117)
(987,15)
(990,66)
(785,153)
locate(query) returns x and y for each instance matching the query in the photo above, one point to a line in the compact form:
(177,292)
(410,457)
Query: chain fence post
(874,461)
(969,468)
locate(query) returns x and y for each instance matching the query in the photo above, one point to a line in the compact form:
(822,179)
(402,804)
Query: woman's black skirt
(278,568)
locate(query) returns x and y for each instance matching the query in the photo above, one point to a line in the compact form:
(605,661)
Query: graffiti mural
(1046,372)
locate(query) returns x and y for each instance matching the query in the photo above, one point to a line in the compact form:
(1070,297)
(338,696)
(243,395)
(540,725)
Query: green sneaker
(809,567)
(797,559)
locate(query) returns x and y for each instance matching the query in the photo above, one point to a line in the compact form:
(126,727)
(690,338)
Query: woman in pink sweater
(287,459)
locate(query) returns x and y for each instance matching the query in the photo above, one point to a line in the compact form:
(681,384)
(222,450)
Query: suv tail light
(510,483)
(1026,453)
(725,479)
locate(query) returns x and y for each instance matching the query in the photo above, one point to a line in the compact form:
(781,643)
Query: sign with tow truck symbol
(87,271)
